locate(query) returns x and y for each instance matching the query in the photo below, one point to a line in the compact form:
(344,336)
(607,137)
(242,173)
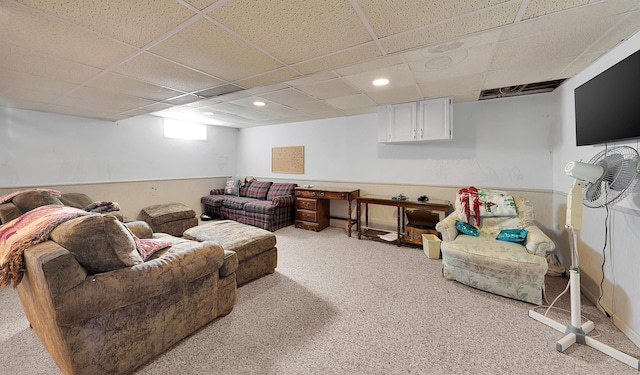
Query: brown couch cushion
(29,200)
(100,243)
(8,212)
(163,213)
(77,200)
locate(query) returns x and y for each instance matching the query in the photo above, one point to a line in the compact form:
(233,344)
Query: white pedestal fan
(608,177)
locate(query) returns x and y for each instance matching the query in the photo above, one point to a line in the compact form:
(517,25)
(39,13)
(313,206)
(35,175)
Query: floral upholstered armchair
(490,242)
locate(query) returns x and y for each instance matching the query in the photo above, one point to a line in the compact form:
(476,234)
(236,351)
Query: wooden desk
(439,206)
(312,206)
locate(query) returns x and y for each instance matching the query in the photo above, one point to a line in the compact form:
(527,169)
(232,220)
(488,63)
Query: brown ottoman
(170,218)
(255,247)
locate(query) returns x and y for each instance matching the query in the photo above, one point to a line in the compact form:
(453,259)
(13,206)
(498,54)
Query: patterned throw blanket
(470,196)
(102,206)
(27,230)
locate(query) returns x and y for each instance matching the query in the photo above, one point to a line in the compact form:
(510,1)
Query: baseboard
(628,331)
(619,323)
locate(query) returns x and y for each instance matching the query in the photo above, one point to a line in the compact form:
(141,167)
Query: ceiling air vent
(529,88)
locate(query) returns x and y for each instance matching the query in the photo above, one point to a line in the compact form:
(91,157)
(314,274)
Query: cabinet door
(402,122)
(434,119)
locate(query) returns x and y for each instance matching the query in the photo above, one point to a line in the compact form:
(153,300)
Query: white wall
(621,296)
(39,149)
(501,142)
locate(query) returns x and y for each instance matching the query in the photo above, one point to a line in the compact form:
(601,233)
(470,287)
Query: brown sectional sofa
(31,199)
(114,321)
(98,306)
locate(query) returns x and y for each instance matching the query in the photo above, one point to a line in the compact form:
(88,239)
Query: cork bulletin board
(287,159)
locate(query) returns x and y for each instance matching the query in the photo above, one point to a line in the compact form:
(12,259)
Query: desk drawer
(333,195)
(306,215)
(314,227)
(307,204)
(306,194)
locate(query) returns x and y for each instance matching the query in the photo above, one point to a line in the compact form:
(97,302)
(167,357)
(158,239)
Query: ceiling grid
(305,60)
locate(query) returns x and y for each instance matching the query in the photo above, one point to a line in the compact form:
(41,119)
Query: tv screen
(608,105)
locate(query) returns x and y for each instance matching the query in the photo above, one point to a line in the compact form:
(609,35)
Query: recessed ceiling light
(380,82)
(258,103)
(207,113)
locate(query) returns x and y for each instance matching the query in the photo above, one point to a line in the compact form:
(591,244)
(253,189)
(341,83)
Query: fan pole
(577,332)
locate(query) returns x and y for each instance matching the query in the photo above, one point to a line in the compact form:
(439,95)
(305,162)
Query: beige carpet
(339,305)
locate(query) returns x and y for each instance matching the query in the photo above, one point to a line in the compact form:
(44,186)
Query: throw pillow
(100,243)
(512,235)
(466,228)
(496,203)
(258,189)
(36,198)
(149,246)
(232,187)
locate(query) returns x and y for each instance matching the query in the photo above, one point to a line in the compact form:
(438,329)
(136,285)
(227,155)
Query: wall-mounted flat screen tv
(608,105)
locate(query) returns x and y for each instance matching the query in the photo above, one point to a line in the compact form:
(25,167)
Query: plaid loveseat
(263,204)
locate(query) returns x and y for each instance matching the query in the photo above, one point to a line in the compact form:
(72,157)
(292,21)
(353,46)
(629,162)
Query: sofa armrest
(216,192)
(283,201)
(447,227)
(185,262)
(140,228)
(8,212)
(537,242)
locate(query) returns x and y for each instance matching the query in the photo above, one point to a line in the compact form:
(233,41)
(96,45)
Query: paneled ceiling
(209,61)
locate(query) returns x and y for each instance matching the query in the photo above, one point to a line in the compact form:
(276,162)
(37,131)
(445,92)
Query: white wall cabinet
(426,120)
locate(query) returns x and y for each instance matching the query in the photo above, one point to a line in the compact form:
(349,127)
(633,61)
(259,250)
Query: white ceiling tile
(451,65)
(629,26)
(200,4)
(281,111)
(396,95)
(269,78)
(570,42)
(269,88)
(328,89)
(466,97)
(20,60)
(315,107)
(79,110)
(453,46)
(329,26)
(154,69)
(289,97)
(24,28)
(452,86)
(340,59)
(210,49)
(133,22)
(89,97)
(19,94)
(542,69)
(576,17)
(537,8)
(450,30)
(183,99)
(312,78)
(391,17)
(10,79)
(576,66)
(351,102)
(119,84)
(374,64)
